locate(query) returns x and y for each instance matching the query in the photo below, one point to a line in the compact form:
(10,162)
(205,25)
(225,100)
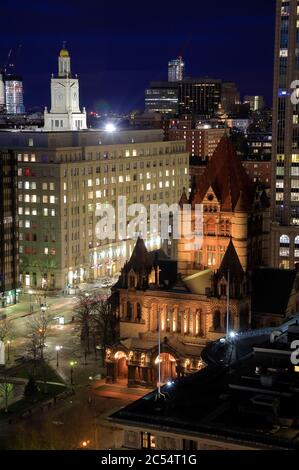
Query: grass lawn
(43,394)
(40,370)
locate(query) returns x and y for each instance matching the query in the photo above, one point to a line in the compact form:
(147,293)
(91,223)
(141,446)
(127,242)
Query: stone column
(175,320)
(195,321)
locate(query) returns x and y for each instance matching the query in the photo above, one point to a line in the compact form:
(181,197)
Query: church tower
(65,113)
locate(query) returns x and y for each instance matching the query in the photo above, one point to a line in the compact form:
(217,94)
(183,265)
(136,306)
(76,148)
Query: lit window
(52,199)
(46,251)
(45,186)
(45,211)
(26,185)
(89,183)
(45,199)
(27,224)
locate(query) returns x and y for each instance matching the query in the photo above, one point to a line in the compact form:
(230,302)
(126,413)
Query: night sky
(118,47)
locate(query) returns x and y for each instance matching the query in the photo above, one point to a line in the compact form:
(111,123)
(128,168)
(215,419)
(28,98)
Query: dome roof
(64,53)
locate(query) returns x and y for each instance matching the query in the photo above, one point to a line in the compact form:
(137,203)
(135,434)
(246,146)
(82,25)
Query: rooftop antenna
(159,351)
(159,394)
(227,304)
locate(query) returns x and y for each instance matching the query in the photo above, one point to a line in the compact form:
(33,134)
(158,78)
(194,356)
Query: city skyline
(106,44)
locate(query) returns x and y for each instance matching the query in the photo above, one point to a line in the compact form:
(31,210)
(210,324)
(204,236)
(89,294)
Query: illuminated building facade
(65,176)
(256,103)
(188,298)
(176,70)
(193,96)
(285,176)
(65,113)
(162,98)
(14,94)
(9,253)
(234,209)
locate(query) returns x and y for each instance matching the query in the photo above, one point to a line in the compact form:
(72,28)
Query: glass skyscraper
(14,94)
(176,70)
(285,180)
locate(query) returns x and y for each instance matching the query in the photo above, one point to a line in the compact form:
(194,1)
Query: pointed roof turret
(231,263)
(242,204)
(184,199)
(140,260)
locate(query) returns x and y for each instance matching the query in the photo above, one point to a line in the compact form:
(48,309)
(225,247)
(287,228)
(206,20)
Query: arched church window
(216,320)
(139,312)
(131,281)
(211,227)
(284,249)
(129,311)
(297,247)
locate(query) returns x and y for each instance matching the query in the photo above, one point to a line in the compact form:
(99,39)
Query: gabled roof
(231,263)
(227,177)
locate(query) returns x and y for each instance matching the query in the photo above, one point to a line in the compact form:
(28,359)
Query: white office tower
(2,93)
(65,113)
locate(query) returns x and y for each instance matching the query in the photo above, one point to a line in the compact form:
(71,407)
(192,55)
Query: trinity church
(185,302)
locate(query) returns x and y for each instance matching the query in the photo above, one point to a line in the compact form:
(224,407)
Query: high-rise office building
(285,176)
(256,103)
(65,113)
(162,98)
(2,93)
(176,70)
(9,254)
(14,94)
(64,177)
(194,96)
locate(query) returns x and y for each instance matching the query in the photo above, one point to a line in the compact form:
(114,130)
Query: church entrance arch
(168,367)
(121,366)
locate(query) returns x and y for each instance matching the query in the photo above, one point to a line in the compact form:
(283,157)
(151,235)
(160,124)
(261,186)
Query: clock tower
(65,113)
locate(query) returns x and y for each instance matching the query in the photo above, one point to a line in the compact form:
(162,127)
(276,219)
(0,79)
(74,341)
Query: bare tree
(105,325)
(37,328)
(83,310)
(5,330)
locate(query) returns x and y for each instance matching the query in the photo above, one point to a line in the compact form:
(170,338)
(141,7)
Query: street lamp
(8,350)
(72,365)
(30,292)
(58,348)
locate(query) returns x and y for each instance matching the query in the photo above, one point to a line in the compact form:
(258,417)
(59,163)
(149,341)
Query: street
(79,420)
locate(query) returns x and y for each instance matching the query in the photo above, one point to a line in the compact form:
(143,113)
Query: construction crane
(10,64)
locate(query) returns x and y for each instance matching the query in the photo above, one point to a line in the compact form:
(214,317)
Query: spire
(231,263)
(184,198)
(64,62)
